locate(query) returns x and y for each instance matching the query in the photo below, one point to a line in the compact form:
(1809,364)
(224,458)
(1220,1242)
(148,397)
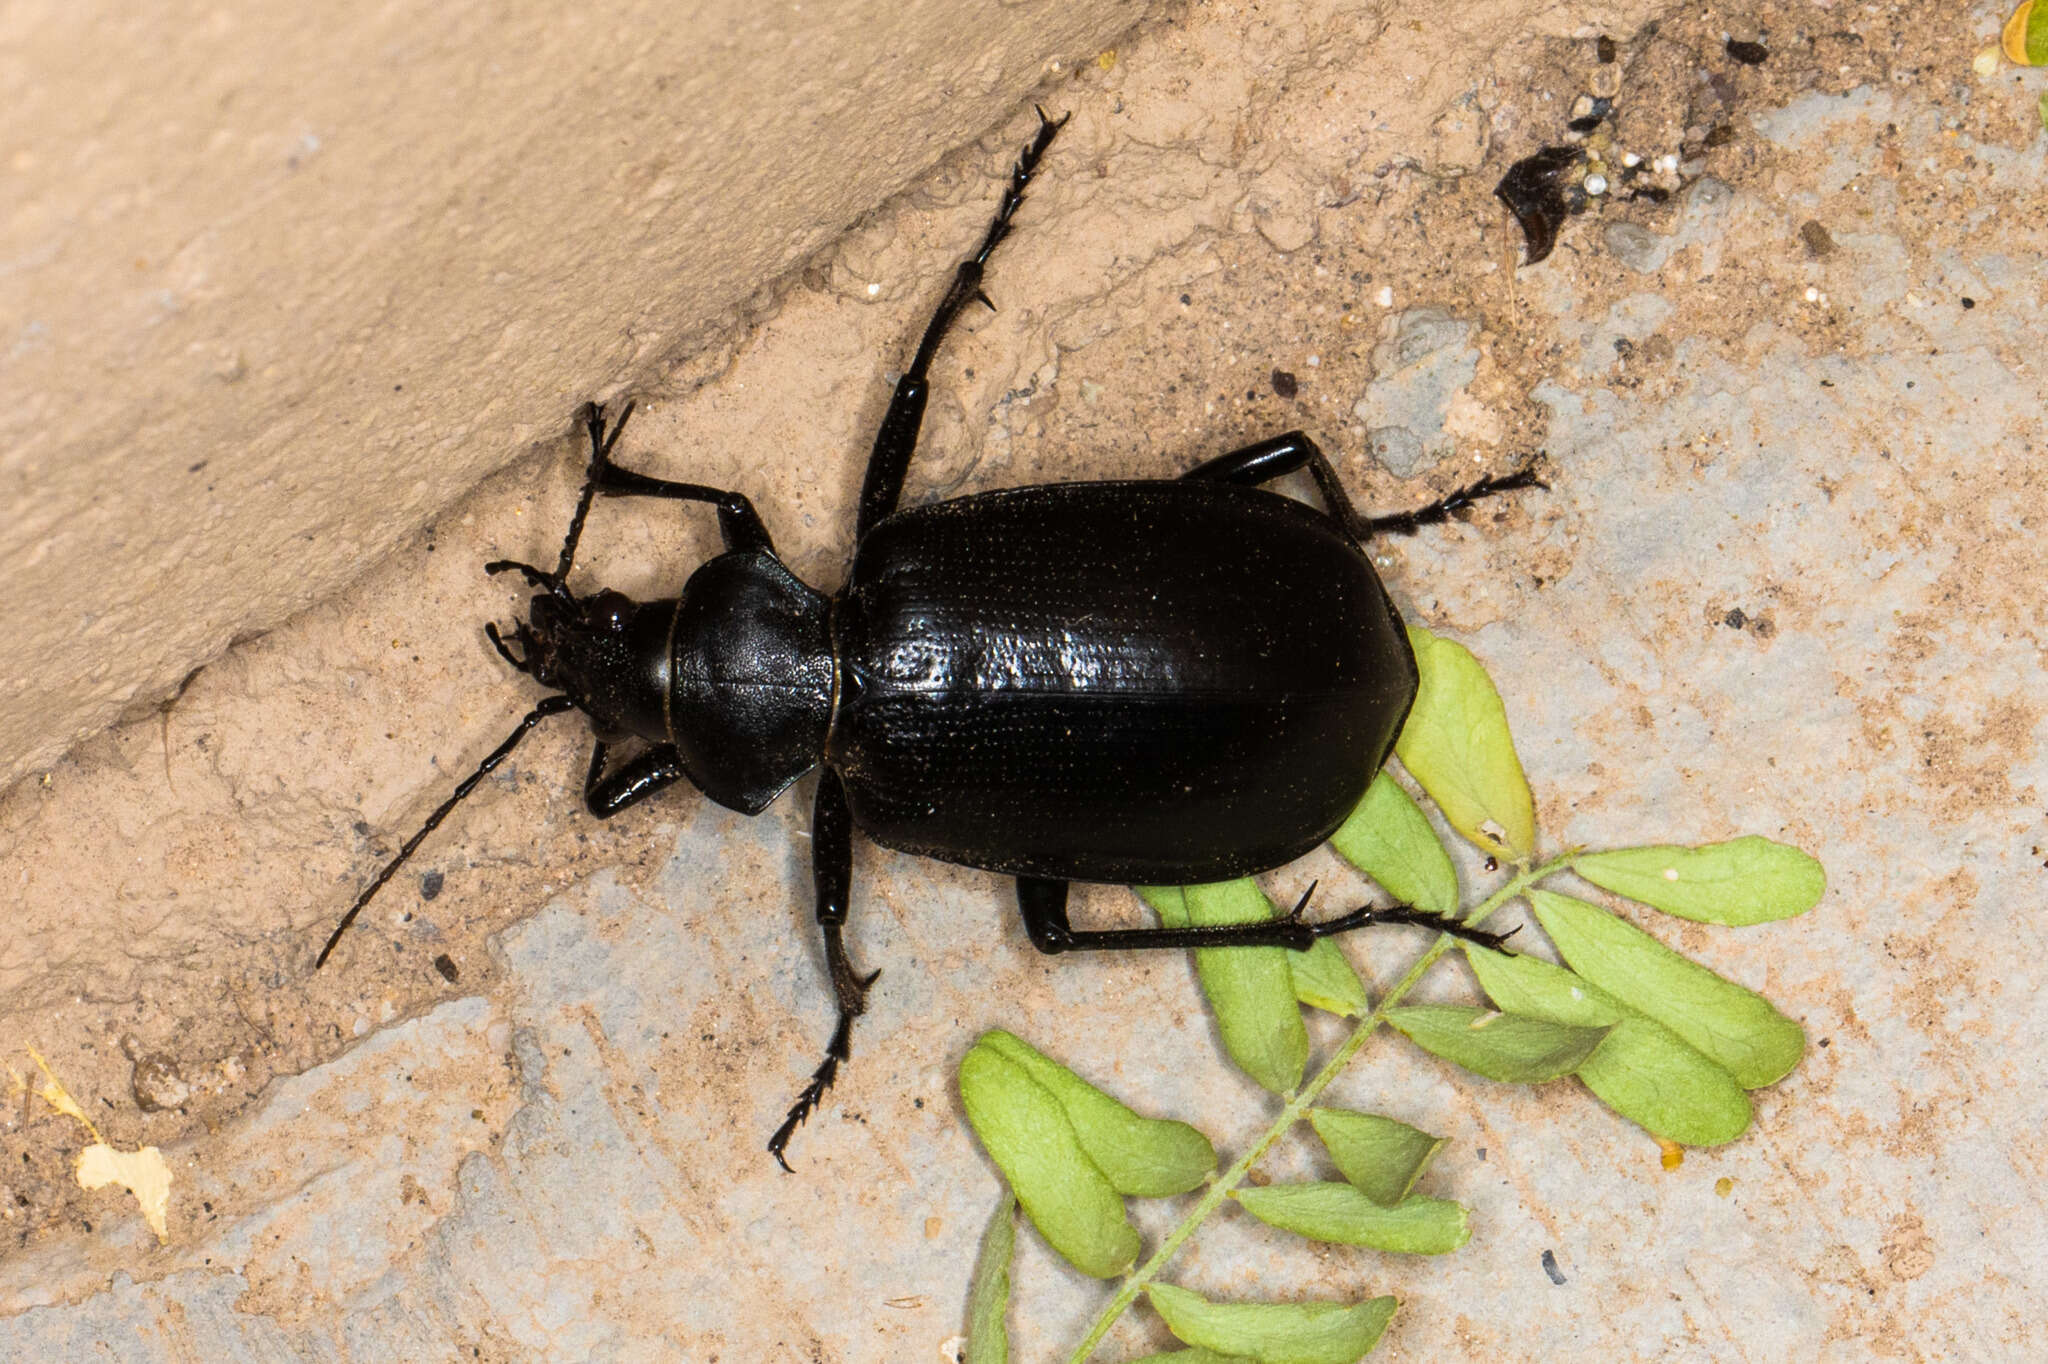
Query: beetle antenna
(553,705)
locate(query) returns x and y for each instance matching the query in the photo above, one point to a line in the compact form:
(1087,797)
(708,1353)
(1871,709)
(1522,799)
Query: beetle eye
(610,610)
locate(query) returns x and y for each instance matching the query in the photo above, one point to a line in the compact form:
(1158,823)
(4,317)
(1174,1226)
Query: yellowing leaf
(2025,36)
(1456,745)
(143,1173)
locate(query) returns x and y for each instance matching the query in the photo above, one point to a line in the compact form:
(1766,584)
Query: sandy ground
(1785,583)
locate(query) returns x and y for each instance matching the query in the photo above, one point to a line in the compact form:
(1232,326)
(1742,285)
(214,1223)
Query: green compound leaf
(1456,744)
(1191,1356)
(1275,1333)
(1381,1157)
(1143,1157)
(1743,881)
(1389,839)
(1027,1134)
(1643,1070)
(1341,1213)
(988,1300)
(1250,989)
(1515,1048)
(1735,1028)
(2036,40)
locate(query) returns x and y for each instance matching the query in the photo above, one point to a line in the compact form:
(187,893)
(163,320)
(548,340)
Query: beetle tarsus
(851,991)
(1441,510)
(1367,916)
(535,577)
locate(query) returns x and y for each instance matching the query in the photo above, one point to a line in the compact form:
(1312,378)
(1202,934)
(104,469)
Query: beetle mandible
(1159,682)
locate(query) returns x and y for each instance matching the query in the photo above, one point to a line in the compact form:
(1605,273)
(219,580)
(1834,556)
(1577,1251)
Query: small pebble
(1819,241)
(1596,184)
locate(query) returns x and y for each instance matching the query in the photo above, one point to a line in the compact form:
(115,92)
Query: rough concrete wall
(278,282)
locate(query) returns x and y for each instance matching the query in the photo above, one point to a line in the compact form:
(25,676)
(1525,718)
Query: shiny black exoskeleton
(1156,682)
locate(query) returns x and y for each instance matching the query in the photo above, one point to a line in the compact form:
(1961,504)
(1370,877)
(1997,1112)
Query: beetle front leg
(607,793)
(832,871)
(1044,905)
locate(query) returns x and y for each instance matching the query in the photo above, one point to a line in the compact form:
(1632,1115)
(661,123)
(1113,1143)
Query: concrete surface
(277,284)
(1785,583)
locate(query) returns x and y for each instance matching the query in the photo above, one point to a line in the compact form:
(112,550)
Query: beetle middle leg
(1044,905)
(1267,460)
(832,872)
(897,440)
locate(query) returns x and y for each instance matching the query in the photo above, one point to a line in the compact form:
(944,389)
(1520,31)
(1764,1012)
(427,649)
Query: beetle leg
(1365,916)
(1044,905)
(1439,511)
(897,440)
(738,522)
(1267,460)
(832,872)
(1270,459)
(1257,463)
(605,794)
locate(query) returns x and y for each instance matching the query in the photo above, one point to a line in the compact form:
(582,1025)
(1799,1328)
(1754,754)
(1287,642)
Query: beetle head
(608,653)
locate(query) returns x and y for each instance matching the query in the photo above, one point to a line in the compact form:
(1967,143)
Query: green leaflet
(1028,1135)
(1382,1157)
(1389,839)
(1643,1070)
(1515,1048)
(1735,1028)
(1341,1213)
(1143,1157)
(988,1300)
(1521,984)
(1275,1333)
(1456,744)
(1744,881)
(1251,989)
(1646,1073)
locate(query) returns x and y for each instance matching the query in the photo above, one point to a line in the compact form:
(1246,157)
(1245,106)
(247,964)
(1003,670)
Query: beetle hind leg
(1366,916)
(1044,906)
(1441,510)
(1267,460)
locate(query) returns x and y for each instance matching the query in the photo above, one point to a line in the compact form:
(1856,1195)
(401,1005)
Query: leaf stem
(1292,1112)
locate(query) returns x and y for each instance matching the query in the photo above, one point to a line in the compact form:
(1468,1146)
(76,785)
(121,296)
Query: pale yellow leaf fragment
(143,1173)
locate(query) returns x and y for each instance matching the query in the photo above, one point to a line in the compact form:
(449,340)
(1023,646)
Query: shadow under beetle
(1159,682)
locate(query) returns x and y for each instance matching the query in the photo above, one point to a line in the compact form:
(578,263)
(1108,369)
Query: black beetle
(1162,682)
